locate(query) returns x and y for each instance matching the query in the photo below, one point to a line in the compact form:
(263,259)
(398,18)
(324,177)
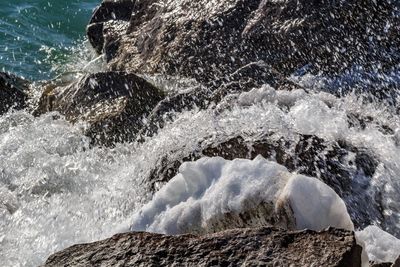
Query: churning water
(56,191)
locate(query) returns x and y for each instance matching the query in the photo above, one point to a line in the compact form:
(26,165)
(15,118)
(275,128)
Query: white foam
(207,188)
(379,245)
(315,205)
(83,194)
(212,187)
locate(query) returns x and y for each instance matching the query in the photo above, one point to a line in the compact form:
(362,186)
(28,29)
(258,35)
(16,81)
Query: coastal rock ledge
(239,247)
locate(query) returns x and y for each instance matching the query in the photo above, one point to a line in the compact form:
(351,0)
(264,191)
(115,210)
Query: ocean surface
(38,36)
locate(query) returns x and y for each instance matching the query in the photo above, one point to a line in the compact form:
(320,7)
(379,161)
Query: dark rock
(113,10)
(206,41)
(308,155)
(253,247)
(383,264)
(13,92)
(397,262)
(95,35)
(120,10)
(113,103)
(361,122)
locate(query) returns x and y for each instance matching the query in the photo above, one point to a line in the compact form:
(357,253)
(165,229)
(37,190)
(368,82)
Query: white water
(56,192)
(212,187)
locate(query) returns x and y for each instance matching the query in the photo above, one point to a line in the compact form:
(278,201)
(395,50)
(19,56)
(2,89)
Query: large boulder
(13,92)
(205,40)
(114,104)
(241,247)
(335,163)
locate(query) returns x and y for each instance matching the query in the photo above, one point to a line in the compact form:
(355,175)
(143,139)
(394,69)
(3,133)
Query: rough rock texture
(112,103)
(397,262)
(13,92)
(251,76)
(209,39)
(109,10)
(334,163)
(241,247)
(387,264)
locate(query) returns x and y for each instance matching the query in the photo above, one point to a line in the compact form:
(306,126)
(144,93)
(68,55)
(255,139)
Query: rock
(387,264)
(240,247)
(206,40)
(113,103)
(397,262)
(251,76)
(113,10)
(383,264)
(109,10)
(13,92)
(334,163)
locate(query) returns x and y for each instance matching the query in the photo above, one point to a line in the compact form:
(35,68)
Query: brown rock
(206,40)
(397,262)
(113,103)
(240,247)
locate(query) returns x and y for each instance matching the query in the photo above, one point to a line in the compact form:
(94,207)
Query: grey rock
(239,247)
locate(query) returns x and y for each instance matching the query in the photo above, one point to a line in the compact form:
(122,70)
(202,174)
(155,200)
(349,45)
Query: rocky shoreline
(227,48)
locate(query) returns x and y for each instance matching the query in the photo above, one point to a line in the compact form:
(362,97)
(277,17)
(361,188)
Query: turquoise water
(37,36)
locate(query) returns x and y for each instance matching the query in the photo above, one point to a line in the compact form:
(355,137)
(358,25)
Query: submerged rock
(114,104)
(13,92)
(253,247)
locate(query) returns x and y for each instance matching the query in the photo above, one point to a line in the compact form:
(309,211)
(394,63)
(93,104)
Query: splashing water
(56,191)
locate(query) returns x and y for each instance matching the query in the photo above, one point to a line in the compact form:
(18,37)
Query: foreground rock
(13,92)
(114,104)
(247,247)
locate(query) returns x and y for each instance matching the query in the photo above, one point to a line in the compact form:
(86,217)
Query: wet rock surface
(334,163)
(387,264)
(114,104)
(227,47)
(109,10)
(13,92)
(251,247)
(205,40)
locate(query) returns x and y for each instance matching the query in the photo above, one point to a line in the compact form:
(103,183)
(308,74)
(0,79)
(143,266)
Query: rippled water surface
(37,36)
